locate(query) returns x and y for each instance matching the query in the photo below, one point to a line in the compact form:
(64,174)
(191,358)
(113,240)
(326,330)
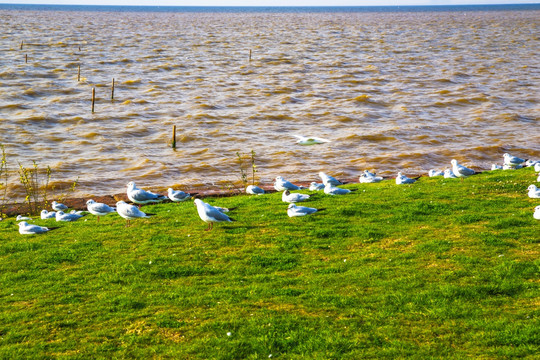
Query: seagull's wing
(214,214)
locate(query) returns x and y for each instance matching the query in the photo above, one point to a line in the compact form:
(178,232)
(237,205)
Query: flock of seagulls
(212,214)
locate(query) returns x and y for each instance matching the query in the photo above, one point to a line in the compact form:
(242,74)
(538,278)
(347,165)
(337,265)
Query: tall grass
(3,181)
(35,183)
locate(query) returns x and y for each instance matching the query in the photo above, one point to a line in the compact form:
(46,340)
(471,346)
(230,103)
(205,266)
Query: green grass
(438,269)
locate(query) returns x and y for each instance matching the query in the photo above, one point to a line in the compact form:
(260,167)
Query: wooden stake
(22,42)
(112,90)
(26,58)
(174,137)
(79,73)
(250,55)
(93,98)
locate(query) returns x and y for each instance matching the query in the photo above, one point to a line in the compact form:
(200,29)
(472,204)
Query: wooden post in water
(26,58)
(93,98)
(112,90)
(79,73)
(22,42)
(174,137)
(250,55)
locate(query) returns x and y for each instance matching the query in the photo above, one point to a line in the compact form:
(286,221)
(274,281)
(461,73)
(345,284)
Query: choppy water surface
(392,91)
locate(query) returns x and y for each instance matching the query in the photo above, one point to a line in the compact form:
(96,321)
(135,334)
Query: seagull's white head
(279,178)
(506,155)
(121,202)
(43,212)
(131,185)
(89,202)
(291,206)
(23,223)
(532,188)
(197,202)
(537,208)
(169,191)
(287,192)
(399,174)
(453,162)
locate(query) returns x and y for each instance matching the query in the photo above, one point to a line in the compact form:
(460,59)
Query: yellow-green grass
(439,269)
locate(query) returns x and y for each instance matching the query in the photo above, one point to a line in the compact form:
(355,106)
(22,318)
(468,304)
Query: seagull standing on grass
(98,209)
(289,197)
(327,179)
(254,190)
(534,192)
(58,206)
(280,184)
(177,195)
(460,170)
(403,179)
(513,160)
(28,229)
(295,210)
(130,212)
(139,196)
(210,214)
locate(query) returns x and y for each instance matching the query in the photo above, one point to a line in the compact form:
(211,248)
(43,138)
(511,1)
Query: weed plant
(36,185)
(243,160)
(440,269)
(3,181)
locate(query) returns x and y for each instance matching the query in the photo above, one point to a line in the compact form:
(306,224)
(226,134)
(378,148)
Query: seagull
(304,140)
(99,209)
(58,206)
(22,218)
(139,196)
(537,167)
(512,160)
(28,229)
(130,212)
(448,174)
(369,177)
(496,167)
(78,212)
(403,179)
(512,167)
(538,179)
(280,184)
(536,214)
(532,162)
(330,189)
(61,216)
(177,195)
(295,210)
(534,192)
(316,187)
(254,190)
(289,197)
(329,179)
(460,170)
(434,172)
(210,214)
(47,215)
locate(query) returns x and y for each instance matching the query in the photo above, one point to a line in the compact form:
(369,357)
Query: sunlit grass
(438,269)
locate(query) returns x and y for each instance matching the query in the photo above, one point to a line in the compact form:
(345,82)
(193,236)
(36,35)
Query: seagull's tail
(321,209)
(149,215)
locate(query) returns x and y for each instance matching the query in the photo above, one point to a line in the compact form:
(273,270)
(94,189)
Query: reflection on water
(392,91)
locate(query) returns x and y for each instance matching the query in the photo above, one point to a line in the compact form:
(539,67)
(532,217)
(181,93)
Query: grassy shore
(438,269)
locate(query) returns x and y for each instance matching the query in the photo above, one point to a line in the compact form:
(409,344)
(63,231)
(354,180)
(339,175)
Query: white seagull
(289,197)
(210,214)
(403,179)
(434,172)
(531,162)
(47,215)
(28,229)
(536,214)
(534,192)
(537,167)
(139,196)
(177,195)
(460,170)
(61,216)
(295,210)
(311,140)
(316,187)
(99,209)
(22,218)
(512,160)
(280,184)
(254,190)
(130,212)
(448,174)
(327,179)
(330,189)
(496,167)
(58,206)
(369,177)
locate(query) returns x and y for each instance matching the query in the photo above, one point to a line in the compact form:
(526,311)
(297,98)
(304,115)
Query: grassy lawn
(439,269)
